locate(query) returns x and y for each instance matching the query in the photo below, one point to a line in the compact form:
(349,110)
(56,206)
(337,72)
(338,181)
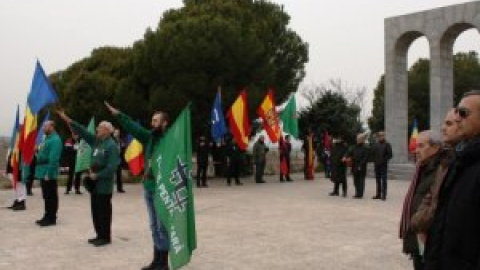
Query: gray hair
(107,125)
(434,137)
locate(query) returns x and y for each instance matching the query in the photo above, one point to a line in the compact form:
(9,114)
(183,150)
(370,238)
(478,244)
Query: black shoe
(29,193)
(376,197)
(344,195)
(239,184)
(40,221)
(102,242)
(333,194)
(78,192)
(205,185)
(67,192)
(20,206)
(289,180)
(121,191)
(47,222)
(229,184)
(260,182)
(13,204)
(356,197)
(384,198)
(92,240)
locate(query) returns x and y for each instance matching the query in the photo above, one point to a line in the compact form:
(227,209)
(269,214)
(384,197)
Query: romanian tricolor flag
(238,120)
(412,146)
(41,94)
(15,150)
(134,155)
(270,118)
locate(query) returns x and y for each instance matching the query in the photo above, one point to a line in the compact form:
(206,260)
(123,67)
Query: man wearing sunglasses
(454,239)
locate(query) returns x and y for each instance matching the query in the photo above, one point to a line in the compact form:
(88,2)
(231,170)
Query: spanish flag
(29,136)
(412,146)
(134,155)
(270,118)
(238,120)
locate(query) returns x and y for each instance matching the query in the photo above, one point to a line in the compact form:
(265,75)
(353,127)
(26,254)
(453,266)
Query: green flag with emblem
(84,151)
(289,118)
(172,167)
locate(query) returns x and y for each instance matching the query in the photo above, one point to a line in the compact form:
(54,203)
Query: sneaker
(13,205)
(20,206)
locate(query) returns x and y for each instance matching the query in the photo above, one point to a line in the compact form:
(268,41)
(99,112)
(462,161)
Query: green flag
(84,151)
(289,118)
(172,167)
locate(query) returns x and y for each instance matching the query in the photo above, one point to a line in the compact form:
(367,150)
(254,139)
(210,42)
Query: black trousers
(101,207)
(381,178)
(340,181)
(119,178)
(233,172)
(73,179)
(359,182)
(29,183)
(259,171)
(202,174)
(50,197)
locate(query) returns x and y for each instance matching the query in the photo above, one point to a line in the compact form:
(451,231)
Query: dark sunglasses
(462,112)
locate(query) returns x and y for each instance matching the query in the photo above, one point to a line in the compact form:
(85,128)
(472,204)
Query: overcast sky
(345,37)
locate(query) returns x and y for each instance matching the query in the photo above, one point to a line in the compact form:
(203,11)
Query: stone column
(396,99)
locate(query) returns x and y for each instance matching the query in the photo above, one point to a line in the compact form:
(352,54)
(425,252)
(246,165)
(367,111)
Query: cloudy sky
(345,37)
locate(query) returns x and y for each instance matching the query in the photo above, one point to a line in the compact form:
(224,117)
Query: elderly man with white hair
(359,155)
(105,159)
(427,152)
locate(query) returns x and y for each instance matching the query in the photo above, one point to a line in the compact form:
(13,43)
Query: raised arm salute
(149,139)
(102,169)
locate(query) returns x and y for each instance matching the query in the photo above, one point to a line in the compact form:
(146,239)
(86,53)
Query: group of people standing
(357,157)
(99,178)
(440,221)
(234,160)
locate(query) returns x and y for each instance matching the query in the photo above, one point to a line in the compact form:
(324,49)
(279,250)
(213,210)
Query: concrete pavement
(256,226)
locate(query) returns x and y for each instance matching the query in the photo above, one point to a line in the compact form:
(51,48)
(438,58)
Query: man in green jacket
(48,161)
(105,159)
(149,139)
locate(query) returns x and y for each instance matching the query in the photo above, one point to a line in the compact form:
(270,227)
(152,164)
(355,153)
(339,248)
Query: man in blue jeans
(382,153)
(149,139)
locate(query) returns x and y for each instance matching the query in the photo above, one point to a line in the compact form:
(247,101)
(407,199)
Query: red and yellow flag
(238,120)
(270,118)
(29,136)
(15,150)
(134,155)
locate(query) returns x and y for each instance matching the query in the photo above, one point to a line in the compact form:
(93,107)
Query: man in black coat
(359,156)
(382,153)
(203,149)
(454,238)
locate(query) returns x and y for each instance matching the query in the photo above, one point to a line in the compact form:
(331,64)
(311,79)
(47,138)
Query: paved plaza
(269,226)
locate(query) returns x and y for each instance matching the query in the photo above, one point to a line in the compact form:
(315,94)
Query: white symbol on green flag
(172,168)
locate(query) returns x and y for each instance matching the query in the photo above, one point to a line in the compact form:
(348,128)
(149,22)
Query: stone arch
(441,27)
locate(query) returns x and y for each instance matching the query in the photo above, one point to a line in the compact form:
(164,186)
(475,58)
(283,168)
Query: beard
(157,132)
